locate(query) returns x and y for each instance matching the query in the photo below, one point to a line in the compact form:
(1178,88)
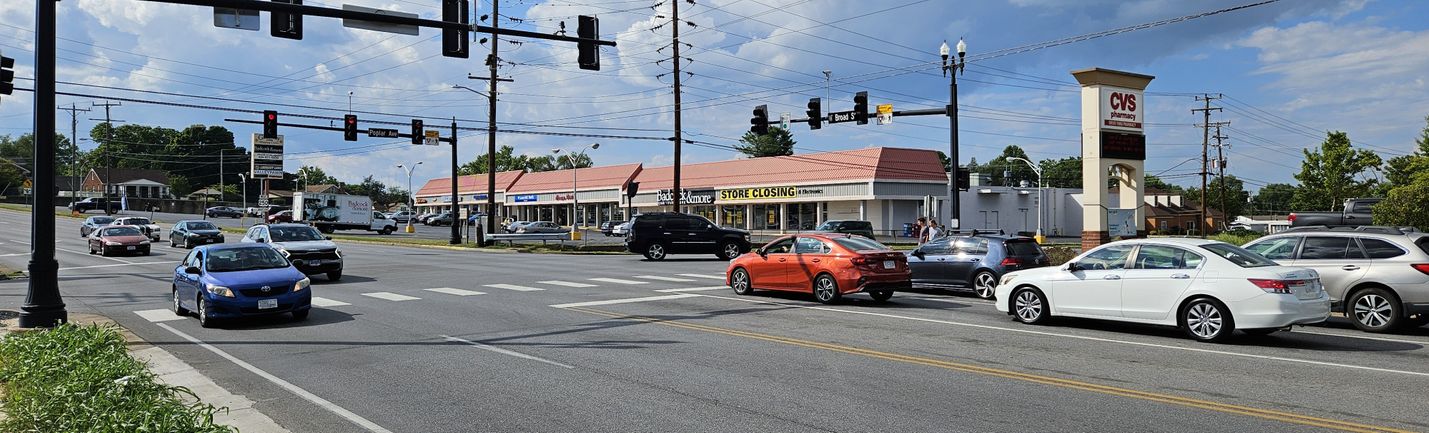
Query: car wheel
(1374,310)
(1207,320)
(299,316)
(984,284)
(334,276)
(739,281)
(203,319)
(881,295)
(1029,306)
(103,252)
(728,250)
(91,250)
(655,251)
(188,245)
(385,231)
(1261,332)
(179,310)
(172,242)
(826,290)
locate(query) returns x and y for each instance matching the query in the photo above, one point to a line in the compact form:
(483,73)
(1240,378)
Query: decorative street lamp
(411,197)
(956,65)
(575,198)
(1038,170)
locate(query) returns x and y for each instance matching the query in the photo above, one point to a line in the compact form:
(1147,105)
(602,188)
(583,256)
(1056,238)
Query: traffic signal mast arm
(896,113)
(324,128)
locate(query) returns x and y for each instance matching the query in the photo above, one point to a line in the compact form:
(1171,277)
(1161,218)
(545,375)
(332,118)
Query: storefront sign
(523,198)
(1121,222)
(665,196)
(1121,108)
(758,193)
(1123,146)
(565,197)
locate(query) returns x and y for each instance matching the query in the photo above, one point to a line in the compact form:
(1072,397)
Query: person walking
(921,230)
(934,229)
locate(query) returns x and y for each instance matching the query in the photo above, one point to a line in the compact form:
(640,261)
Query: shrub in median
(82,379)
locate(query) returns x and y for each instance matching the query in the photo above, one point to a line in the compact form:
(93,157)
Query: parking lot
(424,340)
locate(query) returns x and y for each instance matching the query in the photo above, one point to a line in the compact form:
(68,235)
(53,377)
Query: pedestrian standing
(934,229)
(921,230)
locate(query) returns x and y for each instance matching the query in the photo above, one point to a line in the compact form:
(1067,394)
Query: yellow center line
(1269,414)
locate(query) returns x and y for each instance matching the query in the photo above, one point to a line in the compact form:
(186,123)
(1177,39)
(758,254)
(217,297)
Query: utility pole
(74,141)
(492,61)
(1205,152)
(108,142)
(1221,169)
(220,178)
(675,25)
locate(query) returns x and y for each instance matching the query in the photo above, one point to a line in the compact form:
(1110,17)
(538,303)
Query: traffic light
(760,121)
(588,27)
(417,131)
(286,25)
(815,113)
(7,75)
(860,108)
(964,179)
(270,124)
(349,127)
(456,43)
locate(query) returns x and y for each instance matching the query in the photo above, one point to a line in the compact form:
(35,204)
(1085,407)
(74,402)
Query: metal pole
(955,208)
(675,24)
(43,307)
(575,198)
(243,220)
(221,190)
(74,141)
(456,197)
(490,128)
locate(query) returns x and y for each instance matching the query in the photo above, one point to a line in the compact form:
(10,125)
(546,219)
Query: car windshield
(1240,256)
(138,221)
(122,231)
(245,259)
(291,234)
(860,244)
(202,225)
(103,220)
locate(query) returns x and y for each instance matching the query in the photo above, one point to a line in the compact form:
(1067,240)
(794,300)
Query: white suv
(1377,276)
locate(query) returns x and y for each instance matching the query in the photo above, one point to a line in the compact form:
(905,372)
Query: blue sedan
(227,281)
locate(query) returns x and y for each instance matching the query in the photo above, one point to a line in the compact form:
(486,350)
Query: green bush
(82,379)
(1235,237)
(1060,254)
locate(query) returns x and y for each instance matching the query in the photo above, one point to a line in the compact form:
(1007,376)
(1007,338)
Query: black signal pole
(43,306)
(456,195)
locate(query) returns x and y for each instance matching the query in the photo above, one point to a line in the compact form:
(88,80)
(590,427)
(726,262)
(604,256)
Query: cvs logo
(1123,101)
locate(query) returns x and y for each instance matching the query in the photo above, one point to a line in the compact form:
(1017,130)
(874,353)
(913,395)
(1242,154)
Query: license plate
(264,304)
(131,247)
(888,264)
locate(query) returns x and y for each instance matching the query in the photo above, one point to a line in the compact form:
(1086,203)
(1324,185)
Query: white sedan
(1206,288)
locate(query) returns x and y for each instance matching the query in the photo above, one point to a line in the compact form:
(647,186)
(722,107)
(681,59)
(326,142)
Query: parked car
(1357,212)
(148,227)
(607,228)
(118,240)
(861,228)
(973,262)
(441,219)
(192,233)
(1377,276)
(239,280)
(827,265)
(1207,288)
(402,216)
(285,216)
(515,225)
(95,203)
(658,234)
(475,218)
(222,212)
(541,227)
(621,230)
(92,223)
(422,218)
(309,250)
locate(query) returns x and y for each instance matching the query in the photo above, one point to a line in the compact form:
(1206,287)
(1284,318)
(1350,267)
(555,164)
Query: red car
(118,239)
(829,265)
(281,217)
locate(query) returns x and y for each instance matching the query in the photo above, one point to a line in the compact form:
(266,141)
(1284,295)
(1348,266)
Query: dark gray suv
(975,262)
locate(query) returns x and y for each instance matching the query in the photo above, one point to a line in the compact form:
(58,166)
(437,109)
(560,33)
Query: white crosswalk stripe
(710,276)
(692,289)
(514,287)
(567,284)
(325,302)
(662,278)
(159,315)
(617,281)
(455,291)
(390,296)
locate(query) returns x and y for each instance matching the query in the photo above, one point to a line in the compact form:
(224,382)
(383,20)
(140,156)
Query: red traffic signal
(270,124)
(349,127)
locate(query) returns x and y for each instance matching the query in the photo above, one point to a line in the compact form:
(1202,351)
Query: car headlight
(302,284)
(281,250)
(144,242)
(220,290)
(1007,279)
(337,252)
(112,244)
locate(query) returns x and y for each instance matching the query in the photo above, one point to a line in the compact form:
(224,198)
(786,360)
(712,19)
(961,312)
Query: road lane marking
(14,254)
(159,315)
(625,300)
(953,300)
(1302,330)
(1270,414)
(321,402)
(455,291)
(617,281)
(86,253)
(1079,337)
(115,265)
(325,302)
(711,276)
(567,284)
(390,296)
(693,289)
(504,351)
(514,287)
(663,278)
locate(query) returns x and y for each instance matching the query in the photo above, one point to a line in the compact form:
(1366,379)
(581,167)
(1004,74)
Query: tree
(1330,175)
(316,176)
(1235,195)
(1273,199)
(1405,204)
(778,142)
(1062,173)
(1007,172)
(1400,170)
(1153,182)
(192,152)
(506,160)
(22,151)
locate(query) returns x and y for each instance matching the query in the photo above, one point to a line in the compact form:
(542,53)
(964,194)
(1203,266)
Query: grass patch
(82,379)
(26,209)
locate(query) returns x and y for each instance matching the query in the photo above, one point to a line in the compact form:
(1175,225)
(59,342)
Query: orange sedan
(829,265)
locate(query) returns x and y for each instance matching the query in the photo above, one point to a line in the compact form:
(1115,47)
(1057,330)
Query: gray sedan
(541,227)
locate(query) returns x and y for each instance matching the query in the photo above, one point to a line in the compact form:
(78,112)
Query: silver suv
(1377,276)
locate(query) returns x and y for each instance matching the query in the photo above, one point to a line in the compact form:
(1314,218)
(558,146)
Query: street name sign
(376,26)
(842,116)
(383,133)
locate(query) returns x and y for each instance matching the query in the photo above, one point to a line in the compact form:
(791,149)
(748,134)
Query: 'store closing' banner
(758,193)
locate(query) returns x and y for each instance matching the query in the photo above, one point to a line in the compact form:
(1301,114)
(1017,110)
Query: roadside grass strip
(82,379)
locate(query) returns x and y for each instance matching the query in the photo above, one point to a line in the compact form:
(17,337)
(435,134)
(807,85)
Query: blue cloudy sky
(1290,70)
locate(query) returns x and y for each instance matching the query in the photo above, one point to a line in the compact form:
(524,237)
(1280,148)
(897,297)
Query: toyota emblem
(266,289)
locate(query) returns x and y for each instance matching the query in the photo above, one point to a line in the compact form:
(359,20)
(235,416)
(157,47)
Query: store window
(732,216)
(801,216)
(705,211)
(766,217)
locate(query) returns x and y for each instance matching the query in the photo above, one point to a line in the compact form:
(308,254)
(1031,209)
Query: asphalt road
(556,343)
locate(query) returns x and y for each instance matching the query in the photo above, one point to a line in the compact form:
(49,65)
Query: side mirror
(1074,267)
(193,270)
(260,240)
(327,237)
(762,252)
(919,254)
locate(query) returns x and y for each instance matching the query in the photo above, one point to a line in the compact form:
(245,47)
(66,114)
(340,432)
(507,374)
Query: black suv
(658,234)
(861,228)
(94,203)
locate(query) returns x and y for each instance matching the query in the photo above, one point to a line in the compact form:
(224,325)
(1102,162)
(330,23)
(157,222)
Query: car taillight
(1421,267)
(1012,261)
(859,261)
(1291,218)
(1272,286)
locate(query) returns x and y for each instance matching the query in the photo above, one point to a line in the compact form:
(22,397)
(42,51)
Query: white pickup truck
(332,212)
